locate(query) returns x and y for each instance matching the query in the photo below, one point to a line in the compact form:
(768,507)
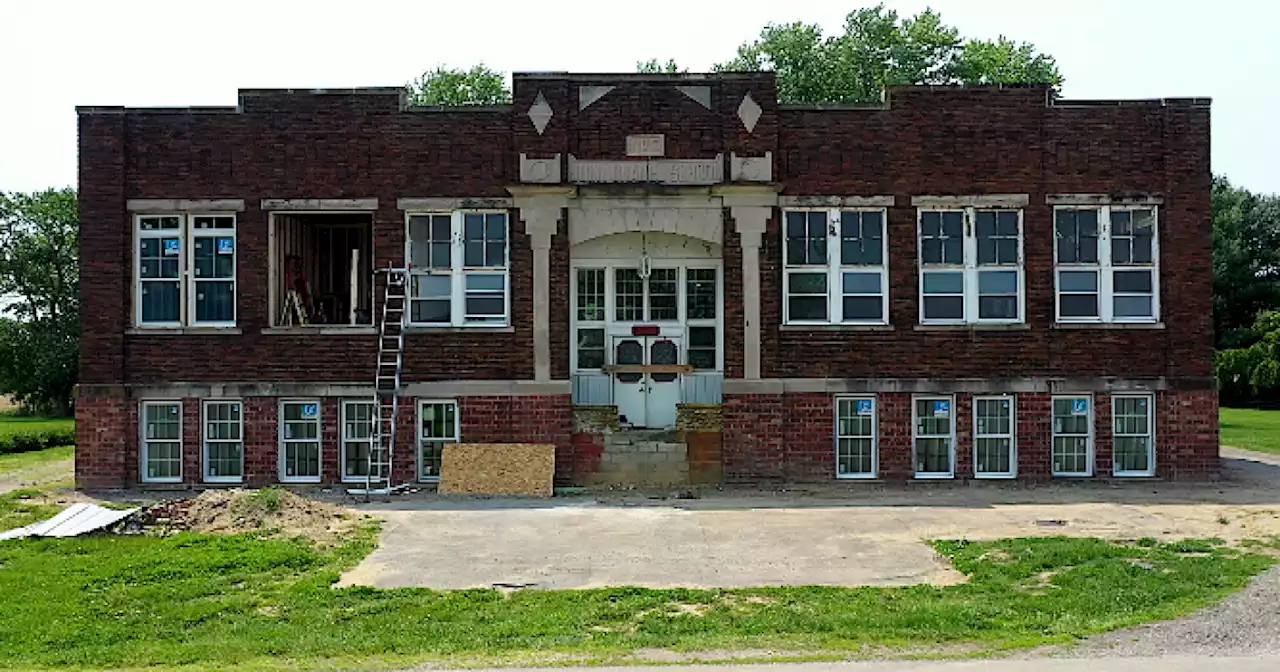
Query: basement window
(438,424)
(322,269)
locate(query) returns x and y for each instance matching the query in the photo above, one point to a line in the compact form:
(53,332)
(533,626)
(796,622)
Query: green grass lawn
(19,508)
(216,603)
(35,458)
(10,423)
(1251,429)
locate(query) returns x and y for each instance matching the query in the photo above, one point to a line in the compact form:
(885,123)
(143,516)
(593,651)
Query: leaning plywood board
(498,469)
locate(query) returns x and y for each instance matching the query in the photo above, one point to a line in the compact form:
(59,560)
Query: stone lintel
(324,204)
(975,201)
(1103,199)
(837,201)
(238,390)
(1054,385)
(447,204)
(147,205)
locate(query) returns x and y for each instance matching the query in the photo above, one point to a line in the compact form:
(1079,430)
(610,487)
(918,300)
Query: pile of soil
(274,512)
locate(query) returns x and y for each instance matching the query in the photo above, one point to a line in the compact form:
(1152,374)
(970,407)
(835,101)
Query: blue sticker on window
(941,409)
(864,407)
(310,410)
(1079,406)
(171,246)
(226,246)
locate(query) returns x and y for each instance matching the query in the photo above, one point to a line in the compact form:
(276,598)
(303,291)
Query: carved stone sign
(647,145)
(661,171)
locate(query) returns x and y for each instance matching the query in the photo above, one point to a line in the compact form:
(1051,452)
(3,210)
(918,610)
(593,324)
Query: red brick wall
(103,427)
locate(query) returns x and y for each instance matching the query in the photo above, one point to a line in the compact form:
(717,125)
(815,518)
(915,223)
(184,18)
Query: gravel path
(1246,624)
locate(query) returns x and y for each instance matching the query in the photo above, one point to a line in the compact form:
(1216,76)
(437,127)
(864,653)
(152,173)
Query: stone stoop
(643,458)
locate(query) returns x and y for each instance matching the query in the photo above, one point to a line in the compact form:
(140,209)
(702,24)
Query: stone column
(750,208)
(540,209)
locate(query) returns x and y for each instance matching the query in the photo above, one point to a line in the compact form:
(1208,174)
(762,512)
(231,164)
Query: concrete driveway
(821,536)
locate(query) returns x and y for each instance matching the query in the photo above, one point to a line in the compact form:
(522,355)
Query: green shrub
(23,442)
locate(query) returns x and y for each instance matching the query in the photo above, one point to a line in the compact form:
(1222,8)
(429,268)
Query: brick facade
(365,144)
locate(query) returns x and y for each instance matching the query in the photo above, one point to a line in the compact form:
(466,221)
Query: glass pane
(872,225)
(993,456)
(1078,305)
(931,251)
(1007,251)
(441,228)
(863,308)
(628,295)
(1007,223)
(662,294)
(1065,227)
(473,227)
(808,308)
(432,286)
(861,283)
(485,306)
(817,251)
(986,224)
(953,224)
(854,456)
(215,301)
(430,311)
(998,307)
(953,251)
(1120,223)
(1132,306)
(702,337)
(986,250)
(590,348)
(473,253)
(495,225)
(1132,282)
(629,351)
(933,456)
(943,283)
(440,255)
(944,307)
(590,299)
(1130,453)
(161,301)
(485,282)
(998,282)
(663,352)
(1120,251)
(700,293)
(1078,281)
(495,254)
(807,283)
(930,224)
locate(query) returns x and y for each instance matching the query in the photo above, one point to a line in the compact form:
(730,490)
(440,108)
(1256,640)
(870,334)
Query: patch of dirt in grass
(273,511)
(684,609)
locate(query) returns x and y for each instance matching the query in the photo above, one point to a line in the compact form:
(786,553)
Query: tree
(455,86)
(39,271)
(1246,261)
(877,49)
(1252,373)
(654,66)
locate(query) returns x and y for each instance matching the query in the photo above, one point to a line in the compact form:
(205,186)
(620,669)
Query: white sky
(56,54)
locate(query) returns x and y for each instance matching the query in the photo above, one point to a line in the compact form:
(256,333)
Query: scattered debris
(273,511)
(73,521)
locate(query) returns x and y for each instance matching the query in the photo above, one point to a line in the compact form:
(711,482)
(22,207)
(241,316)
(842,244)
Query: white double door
(646,398)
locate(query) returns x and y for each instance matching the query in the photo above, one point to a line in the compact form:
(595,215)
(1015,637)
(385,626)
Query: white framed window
(835,266)
(1107,264)
(185,270)
(358,419)
(995,431)
(857,445)
(458,264)
(223,439)
(1072,451)
(1133,446)
(161,441)
(971,266)
(300,441)
(438,424)
(934,436)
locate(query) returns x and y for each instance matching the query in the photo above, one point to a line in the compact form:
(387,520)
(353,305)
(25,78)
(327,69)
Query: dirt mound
(273,511)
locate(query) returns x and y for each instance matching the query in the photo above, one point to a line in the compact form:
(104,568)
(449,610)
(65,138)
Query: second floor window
(458,266)
(835,267)
(185,270)
(1106,264)
(971,266)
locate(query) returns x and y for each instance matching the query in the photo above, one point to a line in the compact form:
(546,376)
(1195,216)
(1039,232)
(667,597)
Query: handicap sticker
(310,410)
(941,409)
(864,407)
(1079,406)
(171,247)
(226,246)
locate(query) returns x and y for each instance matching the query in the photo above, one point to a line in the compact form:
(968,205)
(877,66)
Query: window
(994,439)
(458,268)
(437,425)
(162,442)
(357,438)
(223,442)
(701,301)
(971,266)
(1107,264)
(856,447)
(186,270)
(1072,436)
(321,269)
(589,304)
(935,437)
(835,267)
(1132,443)
(300,441)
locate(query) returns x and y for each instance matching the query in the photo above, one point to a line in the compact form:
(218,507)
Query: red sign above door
(645,330)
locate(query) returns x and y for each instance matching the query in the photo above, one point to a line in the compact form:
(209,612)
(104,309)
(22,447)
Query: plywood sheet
(498,469)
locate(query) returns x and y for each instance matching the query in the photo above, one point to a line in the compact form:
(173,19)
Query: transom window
(1072,436)
(1107,264)
(856,445)
(994,437)
(971,266)
(458,264)
(300,441)
(1132,436)
(437,425)
(934,433)
(185,270)
(162,441)
(223,442)
(357,438)
(835,269)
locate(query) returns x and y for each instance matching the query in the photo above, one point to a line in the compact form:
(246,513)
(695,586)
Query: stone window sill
(836,327)
(973,327)
(1108,325)
(326,330)
(183,331)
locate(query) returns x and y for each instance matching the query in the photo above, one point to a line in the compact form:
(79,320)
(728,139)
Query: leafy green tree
(655,66)
(39,273)
(1246,261)
(878,49)
(1252,373)
(454,86)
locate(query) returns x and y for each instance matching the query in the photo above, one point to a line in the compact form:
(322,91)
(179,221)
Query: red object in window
(645,330)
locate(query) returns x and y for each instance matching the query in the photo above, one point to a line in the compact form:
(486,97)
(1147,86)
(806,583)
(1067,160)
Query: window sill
(1107,325)
(977,326)
(239,482)
(836,327)
(183,331)
(323,330)
(423,329)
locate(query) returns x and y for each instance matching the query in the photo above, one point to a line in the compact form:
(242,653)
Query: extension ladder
(387,382)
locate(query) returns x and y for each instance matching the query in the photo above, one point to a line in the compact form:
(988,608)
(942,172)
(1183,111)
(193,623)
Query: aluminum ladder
(387,383)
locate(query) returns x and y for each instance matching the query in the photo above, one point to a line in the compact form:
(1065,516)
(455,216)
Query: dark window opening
(323,269)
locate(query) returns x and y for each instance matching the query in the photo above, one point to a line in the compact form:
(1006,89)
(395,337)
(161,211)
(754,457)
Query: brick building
(669,277)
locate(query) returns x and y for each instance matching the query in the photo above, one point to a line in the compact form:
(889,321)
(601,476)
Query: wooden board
(498,469)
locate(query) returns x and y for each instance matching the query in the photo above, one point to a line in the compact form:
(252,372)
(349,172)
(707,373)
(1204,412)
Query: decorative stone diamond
(749,112)
(540,113)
